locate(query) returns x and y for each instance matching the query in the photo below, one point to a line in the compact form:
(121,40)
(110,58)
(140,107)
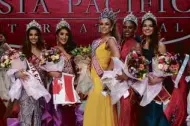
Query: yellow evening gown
(98,110)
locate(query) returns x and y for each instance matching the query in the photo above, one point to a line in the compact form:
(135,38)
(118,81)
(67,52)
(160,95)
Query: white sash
(34,72)
(180,73)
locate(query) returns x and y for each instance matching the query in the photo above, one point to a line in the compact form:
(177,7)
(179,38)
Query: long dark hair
(154,37)
(70,45)
(26,48)
(114,31)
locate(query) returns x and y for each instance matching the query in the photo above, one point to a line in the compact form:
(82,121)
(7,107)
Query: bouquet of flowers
(163,65)
(16,61)
(52,60)
(167,63)
(82,51)
(113,87)
(7,60)
(82,60)
(136,66)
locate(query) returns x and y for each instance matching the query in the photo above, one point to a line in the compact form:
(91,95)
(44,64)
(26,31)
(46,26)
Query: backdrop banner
(173,18)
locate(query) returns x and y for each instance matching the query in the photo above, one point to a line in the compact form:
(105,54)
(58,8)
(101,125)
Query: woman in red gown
(129,106)
(176,111)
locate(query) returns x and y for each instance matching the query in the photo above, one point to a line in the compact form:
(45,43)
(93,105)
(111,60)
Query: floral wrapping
(117,88)
(163,65)
(32,85)
(82,59)
(84,81)
(52,60)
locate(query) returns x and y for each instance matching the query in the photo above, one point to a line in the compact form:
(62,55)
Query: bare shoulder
(111,40)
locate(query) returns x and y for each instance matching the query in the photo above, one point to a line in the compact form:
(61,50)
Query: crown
(33,24)
(131,17)
(61,24)
(108,13)
(149,15)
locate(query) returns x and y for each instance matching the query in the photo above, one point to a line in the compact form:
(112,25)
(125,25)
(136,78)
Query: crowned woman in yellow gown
(98,110)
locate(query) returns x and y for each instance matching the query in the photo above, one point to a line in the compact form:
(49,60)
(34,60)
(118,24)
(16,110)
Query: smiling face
(63,36)
(105,26)
(129,29)
(147,28)
(33,36)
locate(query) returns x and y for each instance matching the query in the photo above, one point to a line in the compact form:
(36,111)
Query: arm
(122,77)
(55,74)
(21,75)
(138,48)
(154,80)
(112,46)
(161,48)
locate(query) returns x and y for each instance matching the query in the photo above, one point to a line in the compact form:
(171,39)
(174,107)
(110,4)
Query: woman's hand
(152,80)
(82,96)
(122,77)
(55,74)
(21,75)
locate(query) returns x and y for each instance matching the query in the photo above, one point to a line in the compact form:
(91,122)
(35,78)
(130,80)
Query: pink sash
(97,67)
(95,63)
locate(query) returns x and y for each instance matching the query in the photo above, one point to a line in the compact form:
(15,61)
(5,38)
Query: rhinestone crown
(33,24)
(61,24)
(131,17)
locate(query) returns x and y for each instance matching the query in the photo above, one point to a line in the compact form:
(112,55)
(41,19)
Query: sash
(96,65)
(32,70)
(163,95)
(181,71)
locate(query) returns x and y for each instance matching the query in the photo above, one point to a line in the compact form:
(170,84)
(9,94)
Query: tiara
(61,24)
(108,13)
(149,15)
(33,24)
(131,17)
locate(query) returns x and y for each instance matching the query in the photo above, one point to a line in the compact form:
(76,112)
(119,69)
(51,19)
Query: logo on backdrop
(83,15)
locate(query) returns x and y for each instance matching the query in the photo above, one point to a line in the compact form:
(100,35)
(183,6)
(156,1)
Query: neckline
(37,56)
(64,53)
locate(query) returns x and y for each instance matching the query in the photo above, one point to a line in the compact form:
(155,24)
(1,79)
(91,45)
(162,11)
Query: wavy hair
(26,48)
(155,35)
(70,44)
(115,31)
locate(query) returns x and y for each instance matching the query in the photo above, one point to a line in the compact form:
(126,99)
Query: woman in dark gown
(152,114)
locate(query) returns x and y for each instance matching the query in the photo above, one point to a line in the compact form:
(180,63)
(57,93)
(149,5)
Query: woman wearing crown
(98,110)
(129,106)
(64,115)
(152,113)
(30,111)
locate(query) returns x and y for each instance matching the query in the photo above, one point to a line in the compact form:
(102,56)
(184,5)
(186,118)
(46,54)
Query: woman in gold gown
(98,110)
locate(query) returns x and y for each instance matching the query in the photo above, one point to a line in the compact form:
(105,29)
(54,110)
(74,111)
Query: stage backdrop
(173,18)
